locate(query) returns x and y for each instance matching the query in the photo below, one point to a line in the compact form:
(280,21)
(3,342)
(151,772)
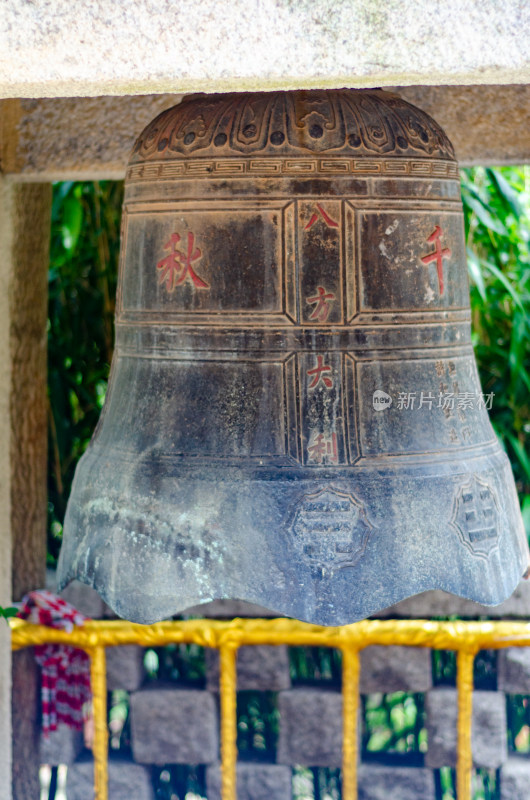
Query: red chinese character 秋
(323,447)
(327,219)
(322,300)
(177,265)
(318,374)
(438,255)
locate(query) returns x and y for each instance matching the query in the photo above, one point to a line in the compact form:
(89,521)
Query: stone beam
(90,138)
(95,47)
(74,138)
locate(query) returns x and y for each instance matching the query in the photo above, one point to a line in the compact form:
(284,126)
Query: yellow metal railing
(466,638)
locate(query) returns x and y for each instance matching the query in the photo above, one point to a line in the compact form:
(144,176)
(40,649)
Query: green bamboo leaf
(477,205)
(11,611)
(487,265)
(525,511)
(475,273)
(71,222)
(505,191)
(60,192)
(520,452)
(518,347)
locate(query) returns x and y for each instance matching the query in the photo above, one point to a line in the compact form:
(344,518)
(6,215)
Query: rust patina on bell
(294,416)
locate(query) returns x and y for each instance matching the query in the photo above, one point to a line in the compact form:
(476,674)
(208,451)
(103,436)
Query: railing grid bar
(350,716)
(228,702)
(464,637)
(464,685)
(98,678)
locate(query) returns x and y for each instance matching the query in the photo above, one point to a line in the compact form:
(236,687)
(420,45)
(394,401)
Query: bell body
(294,416)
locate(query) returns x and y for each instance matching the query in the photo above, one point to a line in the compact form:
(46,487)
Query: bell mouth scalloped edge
(119,574)
(193,603)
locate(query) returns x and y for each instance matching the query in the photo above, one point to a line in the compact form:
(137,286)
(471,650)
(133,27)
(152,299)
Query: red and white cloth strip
(65,670)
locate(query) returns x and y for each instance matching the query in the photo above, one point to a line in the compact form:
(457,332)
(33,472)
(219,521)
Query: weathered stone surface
(515,779)
(125,667)
(488,732)
(5,707)
(62,746)
(176,726)
(395,669)
(399,783)
(310,728)
(259,667)
(101,46)
(71,135)
(513,670)
(497,136)
(127,780)
(442,604)
(7,243)
(254,782)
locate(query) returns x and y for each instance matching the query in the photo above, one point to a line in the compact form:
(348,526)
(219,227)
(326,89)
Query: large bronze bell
(294,416)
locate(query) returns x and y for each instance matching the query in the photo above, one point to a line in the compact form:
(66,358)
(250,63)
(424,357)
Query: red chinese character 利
(323,302)
(438,255)
(175,267)
(317,372)
(323,448)
(321,213)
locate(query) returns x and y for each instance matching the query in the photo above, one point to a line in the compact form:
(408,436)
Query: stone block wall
(174,724)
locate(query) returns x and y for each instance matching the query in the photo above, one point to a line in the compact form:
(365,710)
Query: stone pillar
(24,243)
(5,511)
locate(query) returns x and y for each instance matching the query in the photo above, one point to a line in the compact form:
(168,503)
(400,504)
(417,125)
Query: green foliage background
(82,285)
(497,215)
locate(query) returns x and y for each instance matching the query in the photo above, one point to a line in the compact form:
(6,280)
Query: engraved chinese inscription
(437,255)
(330,530)
(323,449)
(322,302)
(321,213)
(319,375)
(476,516)
(178,265)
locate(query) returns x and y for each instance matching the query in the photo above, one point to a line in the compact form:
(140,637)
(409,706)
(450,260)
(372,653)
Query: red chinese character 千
(318,374)
(327,219)
(324,447)
(177,265)
(438,255)
(322,300)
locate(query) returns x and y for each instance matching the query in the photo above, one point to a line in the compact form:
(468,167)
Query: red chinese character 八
(177,265)
(327,219)
(438,255)
(319,376)
(323,447)
(322,300)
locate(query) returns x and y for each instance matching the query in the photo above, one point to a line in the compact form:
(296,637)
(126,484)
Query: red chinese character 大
(319,376)
(321,213)
(322,307)
(323,448)
(438,255)
(174,268)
